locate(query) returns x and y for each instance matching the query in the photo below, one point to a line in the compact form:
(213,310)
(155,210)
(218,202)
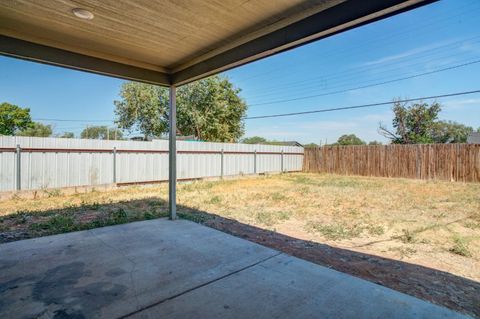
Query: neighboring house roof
(289,143)
(473,138)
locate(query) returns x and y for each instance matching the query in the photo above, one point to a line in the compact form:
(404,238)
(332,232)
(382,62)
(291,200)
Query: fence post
(221,164)
(255,162)
(282,161)
(114,164)
(418,162)
(19,162)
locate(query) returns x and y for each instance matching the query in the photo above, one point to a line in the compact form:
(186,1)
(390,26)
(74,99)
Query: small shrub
(277,196)
(120,216)
(408,236)
(153,203)
(55,225)
(471,225)
(52,192)
(282,215)
(21,217)
(376,230)
(148,215)
(215,200)
(460,247)
(264,218)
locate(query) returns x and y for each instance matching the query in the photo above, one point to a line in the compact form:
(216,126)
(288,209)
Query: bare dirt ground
(418,237)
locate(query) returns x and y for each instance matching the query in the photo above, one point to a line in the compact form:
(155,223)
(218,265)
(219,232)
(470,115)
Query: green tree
(413,124)
(310,145)
(254,140)
(450,132)
(349,139)
(210,109)
(38,130)
(67,135)
(375,143)
(14,119)
(101,133)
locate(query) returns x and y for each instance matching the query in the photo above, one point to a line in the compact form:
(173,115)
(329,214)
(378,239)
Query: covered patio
(173,268)
(179,269)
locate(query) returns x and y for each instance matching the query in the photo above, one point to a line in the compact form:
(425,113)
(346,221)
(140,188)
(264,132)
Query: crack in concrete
(200,286)
(134,265)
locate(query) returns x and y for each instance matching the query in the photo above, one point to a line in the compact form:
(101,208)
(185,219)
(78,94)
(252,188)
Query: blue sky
(442,35)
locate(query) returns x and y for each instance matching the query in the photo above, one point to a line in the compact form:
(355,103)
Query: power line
(370,85)
(69,120)
(351,74)
(363,105)
(420,25)
(349,84)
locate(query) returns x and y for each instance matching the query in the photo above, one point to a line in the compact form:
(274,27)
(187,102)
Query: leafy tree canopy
(210,109)
(260,140)
(101,133)
(38,130)
(349,139)
(67,135)
(14,119)
(418,123)
(450,132)
(413,124)
(310,145)
(375,143)
(254,140)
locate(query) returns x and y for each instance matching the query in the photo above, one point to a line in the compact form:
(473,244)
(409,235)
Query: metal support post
(221,164)
(172,155)
(19,167)
(282,161)
(114,165)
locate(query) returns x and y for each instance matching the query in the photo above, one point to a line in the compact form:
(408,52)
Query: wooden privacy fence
(452,162)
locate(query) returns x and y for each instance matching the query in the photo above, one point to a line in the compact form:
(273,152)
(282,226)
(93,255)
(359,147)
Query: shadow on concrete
(439,287)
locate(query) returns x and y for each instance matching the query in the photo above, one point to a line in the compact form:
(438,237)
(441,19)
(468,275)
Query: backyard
(418,237)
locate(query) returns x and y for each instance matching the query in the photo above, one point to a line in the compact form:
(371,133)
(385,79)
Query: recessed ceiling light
(82,13)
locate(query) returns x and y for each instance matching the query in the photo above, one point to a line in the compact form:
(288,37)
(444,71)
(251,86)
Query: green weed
(335,231)
(460,247)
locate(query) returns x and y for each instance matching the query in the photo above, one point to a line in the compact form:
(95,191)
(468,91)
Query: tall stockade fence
(451,162)
(29,163)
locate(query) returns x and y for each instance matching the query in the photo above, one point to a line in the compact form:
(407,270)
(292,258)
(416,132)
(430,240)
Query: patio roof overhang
(172,43)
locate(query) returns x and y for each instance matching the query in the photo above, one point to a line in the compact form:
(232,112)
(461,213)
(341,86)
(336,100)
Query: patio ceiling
(175,42)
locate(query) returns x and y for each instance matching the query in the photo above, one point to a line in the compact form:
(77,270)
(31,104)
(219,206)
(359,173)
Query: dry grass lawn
(432,224)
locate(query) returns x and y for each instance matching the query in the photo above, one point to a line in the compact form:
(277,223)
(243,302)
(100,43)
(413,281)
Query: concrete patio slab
(179,269)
